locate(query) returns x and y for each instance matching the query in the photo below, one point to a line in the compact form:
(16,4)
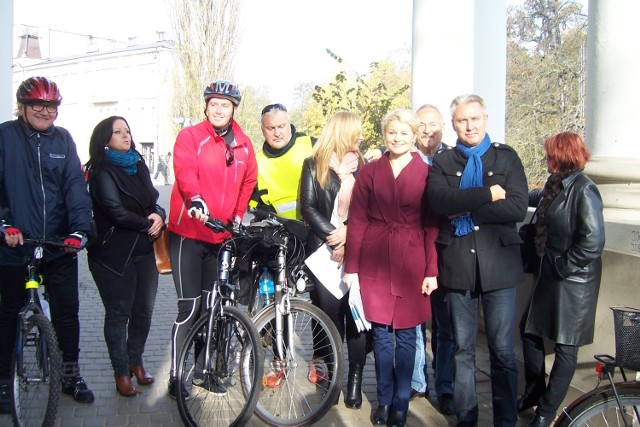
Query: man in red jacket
(215,172)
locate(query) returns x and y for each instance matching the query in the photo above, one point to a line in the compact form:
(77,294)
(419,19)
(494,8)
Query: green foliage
(372,96)
(545,77)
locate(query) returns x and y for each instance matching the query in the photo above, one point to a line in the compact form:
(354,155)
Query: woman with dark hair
(569,239)
(122,260)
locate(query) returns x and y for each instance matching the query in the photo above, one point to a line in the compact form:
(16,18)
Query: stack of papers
(355,304)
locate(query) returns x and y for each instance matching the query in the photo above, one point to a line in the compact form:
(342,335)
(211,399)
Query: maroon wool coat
(390,242)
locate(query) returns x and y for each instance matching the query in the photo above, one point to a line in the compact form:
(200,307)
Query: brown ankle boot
(141,375)
(125,386)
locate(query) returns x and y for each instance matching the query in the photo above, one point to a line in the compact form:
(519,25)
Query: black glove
(197,206)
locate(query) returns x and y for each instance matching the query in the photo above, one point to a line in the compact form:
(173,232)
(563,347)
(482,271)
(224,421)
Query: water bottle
(266,288)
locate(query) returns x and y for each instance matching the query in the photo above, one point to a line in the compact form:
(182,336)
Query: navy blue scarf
(471,177)
(127,160)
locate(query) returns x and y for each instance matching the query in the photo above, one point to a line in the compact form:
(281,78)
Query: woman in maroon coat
(391,255)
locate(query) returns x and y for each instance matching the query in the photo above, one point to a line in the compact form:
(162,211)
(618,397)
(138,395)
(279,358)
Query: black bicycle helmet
(38,89)
(222,89)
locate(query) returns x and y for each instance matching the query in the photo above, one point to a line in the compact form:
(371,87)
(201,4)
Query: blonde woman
(327,181)
(392,256)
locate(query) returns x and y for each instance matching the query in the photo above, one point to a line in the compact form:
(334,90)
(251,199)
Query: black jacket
(493,248)
(120,211)
(563,305)
(41,182)
(316,203)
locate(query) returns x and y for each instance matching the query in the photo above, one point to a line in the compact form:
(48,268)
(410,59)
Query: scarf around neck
(127,160)
(471,177)
(344,170)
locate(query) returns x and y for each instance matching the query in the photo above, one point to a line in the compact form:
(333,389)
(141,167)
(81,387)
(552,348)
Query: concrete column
(611,107)
(460,47)
(6,60)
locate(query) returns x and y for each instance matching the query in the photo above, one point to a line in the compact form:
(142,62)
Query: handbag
(530,258)
(161,250)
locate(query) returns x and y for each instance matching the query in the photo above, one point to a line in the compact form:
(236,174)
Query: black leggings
(194,267)
(61,281)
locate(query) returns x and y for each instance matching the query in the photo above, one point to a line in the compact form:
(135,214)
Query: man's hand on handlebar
(75,242)
(12,236)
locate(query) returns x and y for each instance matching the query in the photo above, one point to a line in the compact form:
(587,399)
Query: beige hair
(403,115)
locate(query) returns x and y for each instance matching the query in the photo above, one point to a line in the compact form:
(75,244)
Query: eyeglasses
(39,107)
(228,155)
(273,107)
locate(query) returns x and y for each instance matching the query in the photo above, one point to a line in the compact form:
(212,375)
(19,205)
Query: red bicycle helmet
(38,89)
(222,89)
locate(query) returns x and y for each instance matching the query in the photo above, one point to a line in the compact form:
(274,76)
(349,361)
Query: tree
(206,35)
(545,77)
(372,96)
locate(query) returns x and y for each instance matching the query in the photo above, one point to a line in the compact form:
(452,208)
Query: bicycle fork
(283,307)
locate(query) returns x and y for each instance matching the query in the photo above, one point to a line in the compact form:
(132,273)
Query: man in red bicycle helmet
(41,182)
(215,172)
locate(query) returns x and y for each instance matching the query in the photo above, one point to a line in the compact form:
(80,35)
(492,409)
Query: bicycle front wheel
(602,409)
(223,390)
(35,374)
(303,383)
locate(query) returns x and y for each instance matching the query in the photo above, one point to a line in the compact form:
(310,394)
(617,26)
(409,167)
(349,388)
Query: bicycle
(290,327)
(219,368)
(615,403)
(36,366)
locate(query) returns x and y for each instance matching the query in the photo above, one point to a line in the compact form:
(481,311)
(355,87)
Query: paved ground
(154,408)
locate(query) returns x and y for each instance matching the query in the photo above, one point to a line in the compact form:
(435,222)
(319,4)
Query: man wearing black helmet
(41,182)
(215,172)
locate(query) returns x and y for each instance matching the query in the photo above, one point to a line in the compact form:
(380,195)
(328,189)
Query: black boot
(353,397)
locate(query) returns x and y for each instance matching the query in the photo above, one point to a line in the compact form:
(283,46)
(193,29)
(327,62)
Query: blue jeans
(442,342)
(393,364)
(419,378)
(499,316)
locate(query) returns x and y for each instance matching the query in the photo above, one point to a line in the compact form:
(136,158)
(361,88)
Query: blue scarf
(127,160)
(471,177)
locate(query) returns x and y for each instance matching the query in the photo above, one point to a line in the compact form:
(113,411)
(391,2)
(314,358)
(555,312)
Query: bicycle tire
(229,388)
(36,380)
(601,409)
(296,401)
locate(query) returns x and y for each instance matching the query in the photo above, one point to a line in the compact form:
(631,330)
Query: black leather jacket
(316,203)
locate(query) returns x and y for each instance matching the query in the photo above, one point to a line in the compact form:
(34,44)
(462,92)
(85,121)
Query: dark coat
(493,248)
(120,211)
(563,304)
(390,242)
(316,203)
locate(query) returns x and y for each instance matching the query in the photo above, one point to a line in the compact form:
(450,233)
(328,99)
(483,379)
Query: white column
(6,60)
(612,108)
(460,47)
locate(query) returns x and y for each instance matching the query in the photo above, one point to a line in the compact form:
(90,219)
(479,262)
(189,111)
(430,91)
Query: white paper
(327,272)
(357,311)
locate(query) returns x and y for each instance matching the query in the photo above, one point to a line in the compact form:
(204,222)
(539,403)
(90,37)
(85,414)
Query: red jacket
(390,242)
(200,167)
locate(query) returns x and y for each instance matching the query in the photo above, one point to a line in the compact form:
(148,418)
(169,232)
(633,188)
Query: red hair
(567,151)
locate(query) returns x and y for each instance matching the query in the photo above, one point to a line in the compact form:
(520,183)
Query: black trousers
(61,281)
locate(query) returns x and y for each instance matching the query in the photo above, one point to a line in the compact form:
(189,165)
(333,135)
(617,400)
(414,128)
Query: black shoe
(353,396)
(445,403)
(415,393)
(380,416)
(397,419)
(467,424)
(5,399)
(526,402)
(76,387)
(173,384)
(211,384)
(540,421)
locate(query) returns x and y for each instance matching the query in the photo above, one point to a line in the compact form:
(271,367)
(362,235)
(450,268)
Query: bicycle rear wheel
(289,397)
(601,409)
(225,392)
(35,374)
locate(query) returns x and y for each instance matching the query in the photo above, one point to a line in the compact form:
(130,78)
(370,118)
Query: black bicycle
(219,369)
(613,404)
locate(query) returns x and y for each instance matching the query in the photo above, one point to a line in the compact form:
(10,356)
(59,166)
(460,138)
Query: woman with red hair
(569,240)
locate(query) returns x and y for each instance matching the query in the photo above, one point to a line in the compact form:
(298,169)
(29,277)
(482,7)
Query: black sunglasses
(273,107)
(228,155)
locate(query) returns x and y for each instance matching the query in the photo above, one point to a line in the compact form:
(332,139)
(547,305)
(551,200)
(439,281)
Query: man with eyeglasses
(42,184)
(280,163)
(215,173)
